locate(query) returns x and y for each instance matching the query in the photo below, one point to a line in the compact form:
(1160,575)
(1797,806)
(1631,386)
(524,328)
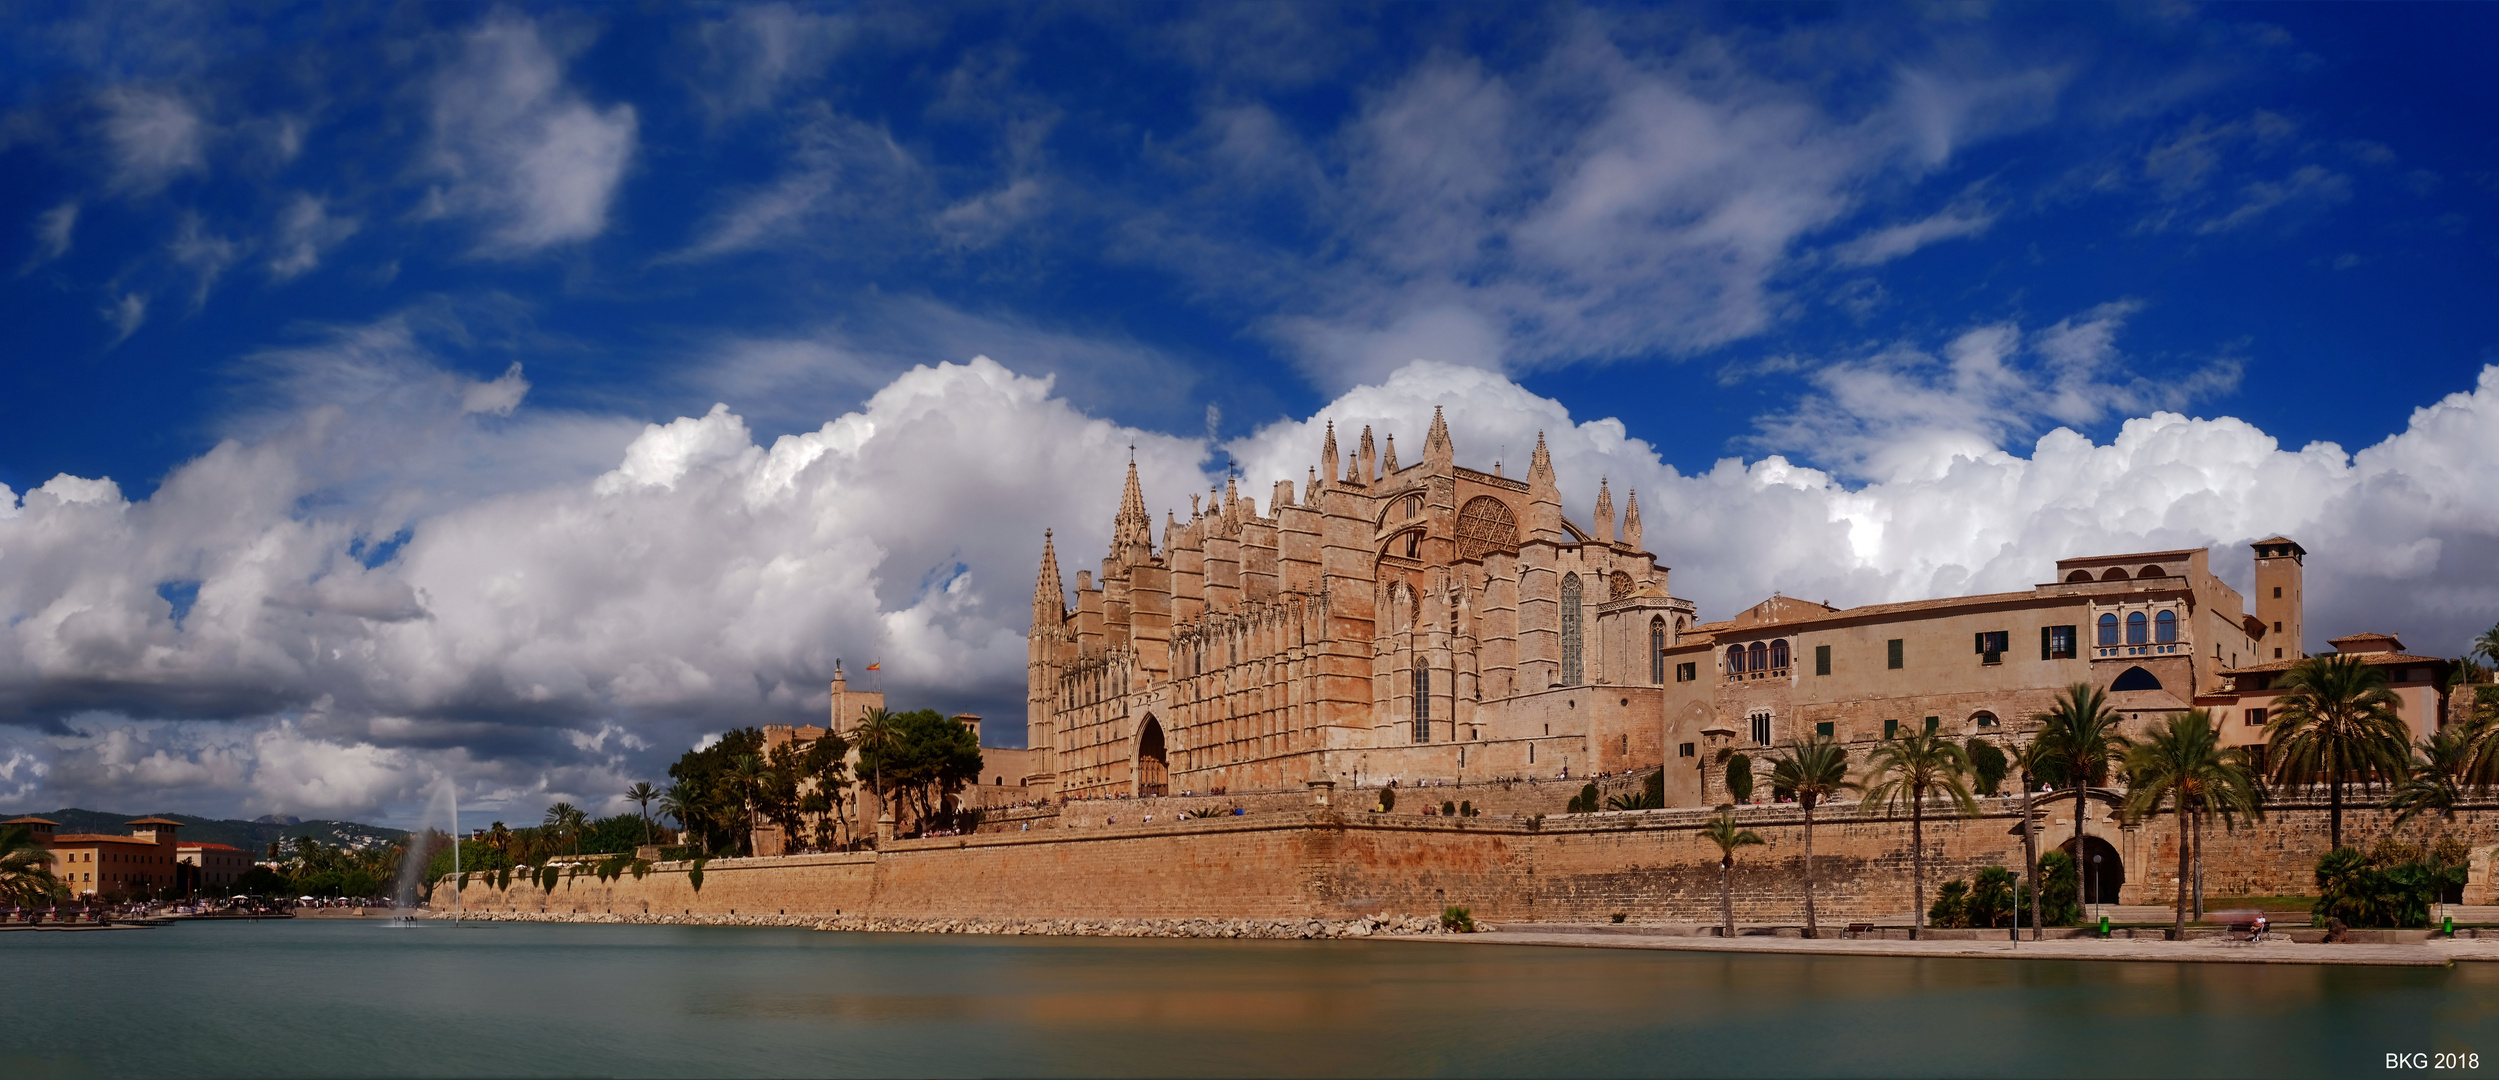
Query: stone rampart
(1650,866)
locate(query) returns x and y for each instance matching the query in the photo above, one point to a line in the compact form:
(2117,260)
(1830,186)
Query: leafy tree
(1910,769)
(1723,832)
(1585,802)
(563,824)
(2077,741)
(26,876)
(1740,778)
(1810,771)
(2183,763)
(1987,766)
(709,805)
(807,781)
(2336,724)
(927,758)
(2393,885)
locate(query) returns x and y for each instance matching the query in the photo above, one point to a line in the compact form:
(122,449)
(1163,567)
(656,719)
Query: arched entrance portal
(2100,881)
(1153,776)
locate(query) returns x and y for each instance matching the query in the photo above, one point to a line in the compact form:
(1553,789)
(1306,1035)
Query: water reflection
(353,999)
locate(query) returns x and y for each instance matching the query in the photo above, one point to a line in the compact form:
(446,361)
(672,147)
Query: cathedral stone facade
(1416,623)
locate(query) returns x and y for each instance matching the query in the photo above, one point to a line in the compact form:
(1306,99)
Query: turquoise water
(343,998)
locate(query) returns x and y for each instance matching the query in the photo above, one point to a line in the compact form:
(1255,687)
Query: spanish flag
(875,666)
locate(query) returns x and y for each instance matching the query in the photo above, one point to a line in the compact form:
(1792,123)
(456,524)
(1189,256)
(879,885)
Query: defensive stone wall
(1651,866)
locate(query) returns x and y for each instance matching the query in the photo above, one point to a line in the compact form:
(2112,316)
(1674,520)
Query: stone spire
(1438,452)
(1132,532)
(1388,461)
(1544,497)
(1327,455)
(1049,595)
(1231,505)
(1631,522)
(1367,471)
(1605,513)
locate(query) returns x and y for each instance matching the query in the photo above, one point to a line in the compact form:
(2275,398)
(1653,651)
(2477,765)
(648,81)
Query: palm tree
(1723,832)
(642,792)
(2078,738)
(2184,764)
(2441,772)
(2488,645)
(749,774)
(2337,722)
(1908,769)
(681,803)
(874,737)
(1810,771)
(498,838)
(563,823)
(2025,761)
(26,869)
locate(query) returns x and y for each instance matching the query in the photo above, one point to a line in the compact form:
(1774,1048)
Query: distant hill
(252,836)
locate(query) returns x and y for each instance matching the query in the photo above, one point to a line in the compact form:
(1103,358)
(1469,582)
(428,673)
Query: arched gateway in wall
(1153,771)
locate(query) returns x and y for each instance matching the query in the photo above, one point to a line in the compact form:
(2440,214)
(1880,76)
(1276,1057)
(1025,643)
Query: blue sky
(378,319)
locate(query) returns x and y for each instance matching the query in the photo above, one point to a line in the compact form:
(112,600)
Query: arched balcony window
(1778,655)
(2108,629)
(1757,657)
(2165,627)
(2138,629)
(1735,659)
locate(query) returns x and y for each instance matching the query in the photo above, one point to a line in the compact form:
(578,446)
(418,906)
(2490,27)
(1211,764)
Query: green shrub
(2392,886)
(1388,799)
(1466,808)
(1740,777)
(639,867)
(1448,808)
(503,879)
(1950,911)
(2060,890)
(1993,895)
(694,875)
(1457,919)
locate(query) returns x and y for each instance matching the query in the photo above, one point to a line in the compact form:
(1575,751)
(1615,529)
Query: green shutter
(1823,729)
(1822,659)
(2044,631)
(1891,728)
(1932,722)
(1982,642)
(1891,651)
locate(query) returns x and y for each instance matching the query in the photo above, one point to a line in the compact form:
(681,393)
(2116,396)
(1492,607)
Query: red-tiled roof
(194,845)
(74,839)
(29,820)
(2380,659)
(154,821)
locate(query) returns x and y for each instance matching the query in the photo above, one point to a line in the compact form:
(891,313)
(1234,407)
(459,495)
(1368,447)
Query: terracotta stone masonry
(1652,866)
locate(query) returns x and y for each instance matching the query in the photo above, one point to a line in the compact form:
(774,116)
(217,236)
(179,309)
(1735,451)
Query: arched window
(2108,629)
(1735,659)
(1778,654)
(1570,629)
(1414,544)
(2115,573)
(1757,658)
(2165,627)
(2138,628)
(1422,701)
(2151,571)
(1657,651)
(1414,505)
(2078,575)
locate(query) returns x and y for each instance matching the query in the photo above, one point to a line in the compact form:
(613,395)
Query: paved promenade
(2436,953)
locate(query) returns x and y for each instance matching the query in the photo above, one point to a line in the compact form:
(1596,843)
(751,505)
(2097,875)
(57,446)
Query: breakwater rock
(1373,926)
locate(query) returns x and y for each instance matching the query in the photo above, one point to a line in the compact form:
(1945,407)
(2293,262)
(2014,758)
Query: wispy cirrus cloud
(516,148)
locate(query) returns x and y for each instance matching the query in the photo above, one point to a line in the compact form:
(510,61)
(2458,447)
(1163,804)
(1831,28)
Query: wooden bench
(1857,928)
